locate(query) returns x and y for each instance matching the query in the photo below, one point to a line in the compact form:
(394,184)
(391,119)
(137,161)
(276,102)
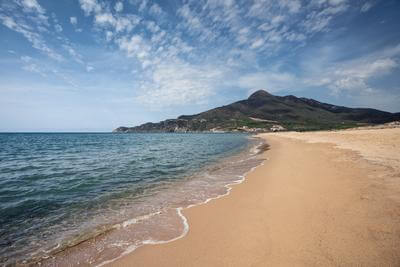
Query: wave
(165,223)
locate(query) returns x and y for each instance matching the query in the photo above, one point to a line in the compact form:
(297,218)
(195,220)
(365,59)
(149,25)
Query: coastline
(167,223)
(255,150)
(309,204)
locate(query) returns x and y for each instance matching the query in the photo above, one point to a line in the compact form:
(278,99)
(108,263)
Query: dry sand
(311,203)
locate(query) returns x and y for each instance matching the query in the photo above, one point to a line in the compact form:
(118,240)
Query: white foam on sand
(179,210)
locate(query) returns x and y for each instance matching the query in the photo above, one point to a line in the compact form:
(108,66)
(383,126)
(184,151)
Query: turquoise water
(57,190)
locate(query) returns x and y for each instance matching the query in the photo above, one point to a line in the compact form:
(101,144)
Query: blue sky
(93,65)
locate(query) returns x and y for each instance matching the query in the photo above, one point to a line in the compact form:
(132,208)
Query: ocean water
(78,199)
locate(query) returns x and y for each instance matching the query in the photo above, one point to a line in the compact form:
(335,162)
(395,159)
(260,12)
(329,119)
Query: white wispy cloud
(152,26)
(143,5)
(31,66)
(271,81)
(32,5)
(134,46)
(89,68)
(179,84)
(119,6)
(31,21)
(109,36)
(89,6)
(319,20)
(33,37)
(106,20)
(72,52)
(58,27)
(257,43)
(239,34)
(355,75)
(155,9)
(73,20)
(366,7)
(292,5)
(205,23)
(194,24)
(337,2)
(118,23)
(64,77)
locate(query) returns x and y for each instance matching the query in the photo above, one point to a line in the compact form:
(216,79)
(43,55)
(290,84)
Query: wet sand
(322,198)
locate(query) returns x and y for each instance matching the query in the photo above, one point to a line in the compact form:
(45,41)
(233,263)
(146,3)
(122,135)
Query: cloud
(31,22)
(379,99)
(194,24)
(263,25)
(240,35)
(355,75)
(106,20)
(155,9)
(89,68)
(351,76)
(119,6)
(71,51)
(366,7)
(34,38)
(337,2)
(152,26)
(32,6)
(26,59)
(109,36)
(257,43)
(118,23)
(30,66)
(179,84)
(58,27)
(134,46)
(292,5)
(89,6)
(67,79)
(34,68)
(317,21)
(73,21)
(271,81)
(366,69)
(143,6)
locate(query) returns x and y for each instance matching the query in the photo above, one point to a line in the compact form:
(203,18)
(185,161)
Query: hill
(265,112)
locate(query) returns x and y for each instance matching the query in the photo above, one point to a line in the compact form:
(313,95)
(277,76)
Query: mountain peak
(262,111)
(259,94)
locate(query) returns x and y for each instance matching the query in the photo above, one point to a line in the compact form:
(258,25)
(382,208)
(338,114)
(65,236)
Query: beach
(319,198)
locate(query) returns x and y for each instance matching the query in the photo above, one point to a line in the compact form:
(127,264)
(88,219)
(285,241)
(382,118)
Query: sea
(71,199)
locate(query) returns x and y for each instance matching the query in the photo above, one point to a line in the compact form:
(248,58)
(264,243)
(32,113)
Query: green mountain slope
(263,111)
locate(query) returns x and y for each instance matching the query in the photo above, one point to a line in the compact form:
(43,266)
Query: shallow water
(89,198)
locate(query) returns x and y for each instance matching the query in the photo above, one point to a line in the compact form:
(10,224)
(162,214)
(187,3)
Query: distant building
(277,128)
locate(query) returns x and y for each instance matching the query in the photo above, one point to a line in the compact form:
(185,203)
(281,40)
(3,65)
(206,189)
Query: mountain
(263,111)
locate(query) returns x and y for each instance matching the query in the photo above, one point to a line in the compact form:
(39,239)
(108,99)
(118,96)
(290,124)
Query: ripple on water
(124,190)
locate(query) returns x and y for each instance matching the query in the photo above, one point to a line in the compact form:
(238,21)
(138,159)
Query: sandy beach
(319,199)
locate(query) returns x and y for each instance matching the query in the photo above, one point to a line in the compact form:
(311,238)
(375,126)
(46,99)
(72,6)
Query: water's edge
(73,254)
(185,221)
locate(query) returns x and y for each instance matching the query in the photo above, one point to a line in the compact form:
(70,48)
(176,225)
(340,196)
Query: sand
(323,198)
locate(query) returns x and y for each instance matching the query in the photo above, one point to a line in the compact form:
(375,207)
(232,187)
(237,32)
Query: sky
(94,65)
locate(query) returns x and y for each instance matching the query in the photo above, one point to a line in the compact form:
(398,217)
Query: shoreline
(238,219)
(261,147)
(241,161)
(180,211)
